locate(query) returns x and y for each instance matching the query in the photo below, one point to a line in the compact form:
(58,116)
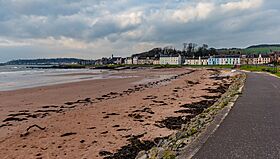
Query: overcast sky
(96,28)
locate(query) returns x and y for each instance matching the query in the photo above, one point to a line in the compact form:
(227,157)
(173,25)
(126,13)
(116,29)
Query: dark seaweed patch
(219,77)
(202,104)
(192,82)
(49,110)
(131,150)
(86,100)
(105,153)
(211,97)
(194,111)
(69,103)
(146,110)
(68,134)
(139,120)
(123,129)
(105,132)
(49,106)
(113,93)
(3,125)
(110,114)
(155,101)
(150,97)
(14,119)
(174,123)
(19,114)
(135,116)
(221,89)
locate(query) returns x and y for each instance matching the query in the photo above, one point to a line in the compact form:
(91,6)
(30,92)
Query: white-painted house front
(171,59)
(156,62)
(129,61)
(261,59)
(196,61)
(224,60)
(135,60)
(230,60)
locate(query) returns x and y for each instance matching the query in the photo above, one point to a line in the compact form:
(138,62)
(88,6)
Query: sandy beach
(105,118)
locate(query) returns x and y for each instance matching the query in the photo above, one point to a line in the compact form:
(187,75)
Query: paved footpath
(252,128)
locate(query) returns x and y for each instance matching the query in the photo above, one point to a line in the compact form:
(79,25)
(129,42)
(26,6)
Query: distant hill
(263,48)
(156,52)
(44,61)
(254,49)
(152,53)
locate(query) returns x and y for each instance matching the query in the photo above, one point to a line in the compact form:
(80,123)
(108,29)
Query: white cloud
(198,12)
(100,27)
(128,19)
(4,42)
(242,5)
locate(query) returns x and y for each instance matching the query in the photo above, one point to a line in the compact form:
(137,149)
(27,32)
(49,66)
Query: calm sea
(18,77)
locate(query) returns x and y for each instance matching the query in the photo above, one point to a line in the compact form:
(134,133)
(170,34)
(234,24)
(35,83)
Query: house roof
(226,56)
(171,55)
(147,58)
(257,56)
(197,58)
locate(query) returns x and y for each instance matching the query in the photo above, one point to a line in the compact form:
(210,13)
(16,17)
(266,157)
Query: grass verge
(261,68)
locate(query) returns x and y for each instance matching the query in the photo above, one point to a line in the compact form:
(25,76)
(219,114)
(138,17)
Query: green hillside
(255,49)
(262,49)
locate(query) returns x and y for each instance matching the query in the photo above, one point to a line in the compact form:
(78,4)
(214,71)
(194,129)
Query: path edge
(194,146)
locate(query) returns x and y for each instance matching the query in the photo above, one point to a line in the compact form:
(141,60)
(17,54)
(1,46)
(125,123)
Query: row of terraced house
(230,60)
(211,60)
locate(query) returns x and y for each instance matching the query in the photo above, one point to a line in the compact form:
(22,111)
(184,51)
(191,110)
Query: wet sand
(104,118)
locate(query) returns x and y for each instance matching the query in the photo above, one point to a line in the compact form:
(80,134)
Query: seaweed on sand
(211,97)
(131,150)
(135,116)
(193,111)
(68,134)
(201,104)
(174,123)
(221,89)
(14,119)
(145,110)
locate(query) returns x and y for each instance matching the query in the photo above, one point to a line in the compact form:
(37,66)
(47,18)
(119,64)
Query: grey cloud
(91,21)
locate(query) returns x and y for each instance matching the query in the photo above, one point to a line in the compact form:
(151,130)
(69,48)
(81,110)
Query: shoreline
(97,120)
(16,80)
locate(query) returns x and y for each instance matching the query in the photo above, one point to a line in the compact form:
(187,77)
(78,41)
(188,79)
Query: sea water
(18,77)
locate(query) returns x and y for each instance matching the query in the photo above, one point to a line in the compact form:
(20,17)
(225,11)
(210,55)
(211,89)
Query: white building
(171,59)
(225,60)
(145,61)
(196,61)
(261,59)
(135,60)
(156,62)
(129,61)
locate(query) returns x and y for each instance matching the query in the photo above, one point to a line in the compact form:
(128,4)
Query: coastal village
(178,59)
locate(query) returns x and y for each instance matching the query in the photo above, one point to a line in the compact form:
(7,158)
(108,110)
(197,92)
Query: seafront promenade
(251,130)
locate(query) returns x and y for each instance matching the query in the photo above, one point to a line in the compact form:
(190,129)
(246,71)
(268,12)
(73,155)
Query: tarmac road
(252,128)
